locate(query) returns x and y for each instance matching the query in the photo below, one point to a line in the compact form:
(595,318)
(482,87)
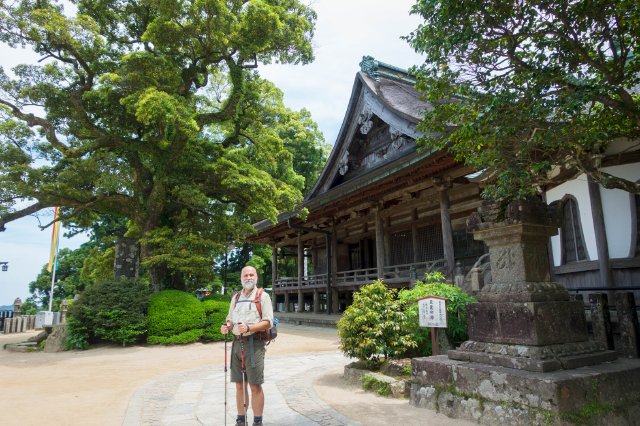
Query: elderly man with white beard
(249,324)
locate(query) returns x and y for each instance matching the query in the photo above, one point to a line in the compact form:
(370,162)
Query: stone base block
(529,323)
(607,393)
(523,291)
(22,347)
(534,358)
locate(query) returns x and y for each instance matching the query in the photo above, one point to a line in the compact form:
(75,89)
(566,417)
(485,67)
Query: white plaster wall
(580,191)
(616,206)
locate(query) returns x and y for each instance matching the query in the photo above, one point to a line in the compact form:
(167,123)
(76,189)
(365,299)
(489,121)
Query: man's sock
(240,418)
(257,419)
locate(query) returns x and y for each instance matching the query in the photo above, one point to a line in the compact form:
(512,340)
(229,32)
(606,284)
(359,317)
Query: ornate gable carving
(378,145)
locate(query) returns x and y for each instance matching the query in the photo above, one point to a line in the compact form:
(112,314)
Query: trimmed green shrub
(218,297)
(434,285)
(215,313)
(176,315)
(370,328)
(183,338)
(112,310)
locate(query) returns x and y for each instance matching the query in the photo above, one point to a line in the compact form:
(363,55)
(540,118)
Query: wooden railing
(395,273)
(314,281)
(308,281)
(356,276)
(400,272)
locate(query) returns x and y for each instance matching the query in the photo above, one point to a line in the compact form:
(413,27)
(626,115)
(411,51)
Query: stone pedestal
(523,320)
(604,394)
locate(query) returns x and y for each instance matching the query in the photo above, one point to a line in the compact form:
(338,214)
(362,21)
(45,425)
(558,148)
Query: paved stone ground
(197,397)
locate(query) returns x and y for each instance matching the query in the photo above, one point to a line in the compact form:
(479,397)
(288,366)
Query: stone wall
(606,394)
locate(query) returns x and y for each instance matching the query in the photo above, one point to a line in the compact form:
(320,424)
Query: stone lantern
(529,359)
(17,306)
(64,307)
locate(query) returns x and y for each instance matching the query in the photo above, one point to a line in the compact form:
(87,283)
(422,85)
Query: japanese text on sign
(433,312)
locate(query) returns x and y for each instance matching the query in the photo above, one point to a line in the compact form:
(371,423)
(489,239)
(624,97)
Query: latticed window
(320,266)
(355,256)
(401,248)
(464,245)
(573,247)
(430,243)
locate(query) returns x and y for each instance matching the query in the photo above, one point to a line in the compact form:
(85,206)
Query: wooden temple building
(381,208)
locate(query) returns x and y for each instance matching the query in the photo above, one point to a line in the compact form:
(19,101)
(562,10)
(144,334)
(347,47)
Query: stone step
(22,347)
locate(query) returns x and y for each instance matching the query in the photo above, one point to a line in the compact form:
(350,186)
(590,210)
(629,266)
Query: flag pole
(53,279)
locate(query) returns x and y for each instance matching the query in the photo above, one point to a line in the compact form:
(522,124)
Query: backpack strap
(256,300)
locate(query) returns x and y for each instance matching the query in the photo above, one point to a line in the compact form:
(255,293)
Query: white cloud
(346,31)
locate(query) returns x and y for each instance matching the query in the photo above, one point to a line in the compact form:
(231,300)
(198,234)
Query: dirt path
(94,387)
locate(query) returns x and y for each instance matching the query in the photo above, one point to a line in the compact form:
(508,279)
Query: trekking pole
(225,375)
(244,371)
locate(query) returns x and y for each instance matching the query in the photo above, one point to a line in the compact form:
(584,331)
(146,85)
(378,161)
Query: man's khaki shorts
(255,375)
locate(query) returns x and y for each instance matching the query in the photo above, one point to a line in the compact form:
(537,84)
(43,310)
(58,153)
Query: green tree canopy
(82,267)
(68,278)
(529,87)
(152,111)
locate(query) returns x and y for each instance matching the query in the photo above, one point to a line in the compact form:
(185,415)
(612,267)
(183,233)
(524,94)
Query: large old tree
(532,89)
(153,111)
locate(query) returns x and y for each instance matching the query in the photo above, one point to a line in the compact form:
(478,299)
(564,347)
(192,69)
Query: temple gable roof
(379,126)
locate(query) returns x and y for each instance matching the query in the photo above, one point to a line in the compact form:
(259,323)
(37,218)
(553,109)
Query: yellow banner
(53,258)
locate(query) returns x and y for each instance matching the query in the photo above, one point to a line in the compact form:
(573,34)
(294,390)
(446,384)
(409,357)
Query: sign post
(432,311)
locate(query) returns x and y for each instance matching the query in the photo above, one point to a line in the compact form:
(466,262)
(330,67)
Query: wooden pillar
(328,241)
(387,241)
(314,258)
(300,273)
(274,275)
(414,235)
(334,296)
(379,242)
(600,233)
(286,302)
(316,300)
(447,232)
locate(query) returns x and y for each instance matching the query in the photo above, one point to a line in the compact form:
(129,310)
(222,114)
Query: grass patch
(378,386)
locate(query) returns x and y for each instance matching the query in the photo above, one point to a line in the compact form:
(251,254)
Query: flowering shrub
(371,328)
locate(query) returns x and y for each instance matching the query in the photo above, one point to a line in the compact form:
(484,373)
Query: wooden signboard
(432,312)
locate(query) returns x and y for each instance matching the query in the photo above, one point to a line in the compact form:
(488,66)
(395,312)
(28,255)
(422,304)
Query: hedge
(216,313)
(175,317)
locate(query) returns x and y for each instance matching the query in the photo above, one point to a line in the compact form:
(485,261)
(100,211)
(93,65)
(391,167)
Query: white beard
(248,284)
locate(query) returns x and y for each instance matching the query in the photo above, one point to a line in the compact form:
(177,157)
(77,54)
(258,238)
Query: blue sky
(345,32)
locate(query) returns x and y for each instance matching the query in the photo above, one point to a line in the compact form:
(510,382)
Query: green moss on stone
(380,387)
